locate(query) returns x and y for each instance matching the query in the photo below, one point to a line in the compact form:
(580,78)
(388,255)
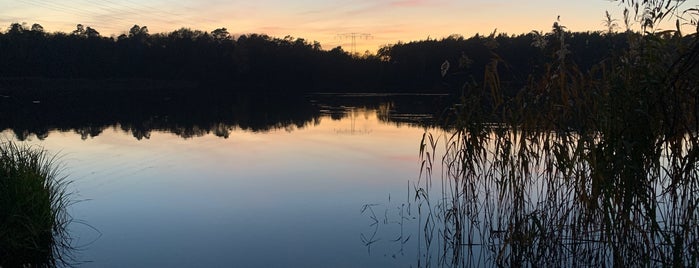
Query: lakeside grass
(582,168)
(33,204)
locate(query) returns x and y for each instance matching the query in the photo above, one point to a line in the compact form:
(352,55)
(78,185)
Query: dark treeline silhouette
(519,57)
(263,63)
(254,60)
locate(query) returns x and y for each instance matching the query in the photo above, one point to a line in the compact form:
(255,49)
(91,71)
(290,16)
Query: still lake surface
(160,191)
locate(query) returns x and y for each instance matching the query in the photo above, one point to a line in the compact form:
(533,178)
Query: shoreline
(85,84)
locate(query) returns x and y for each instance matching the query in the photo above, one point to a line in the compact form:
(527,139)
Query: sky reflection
(279,198)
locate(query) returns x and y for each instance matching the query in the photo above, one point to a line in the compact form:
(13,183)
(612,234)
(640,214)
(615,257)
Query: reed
(33,208)
(581,168)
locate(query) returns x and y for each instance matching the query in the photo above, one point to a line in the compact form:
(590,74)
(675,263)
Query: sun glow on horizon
(384,22)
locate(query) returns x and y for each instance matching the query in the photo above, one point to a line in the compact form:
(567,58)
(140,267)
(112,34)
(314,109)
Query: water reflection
(198,113)
(512,197)
(286,196)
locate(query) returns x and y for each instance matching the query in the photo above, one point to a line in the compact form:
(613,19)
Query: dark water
(173,180)
(204,179)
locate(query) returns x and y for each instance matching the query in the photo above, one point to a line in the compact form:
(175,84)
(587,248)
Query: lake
(173,181)
(184,179)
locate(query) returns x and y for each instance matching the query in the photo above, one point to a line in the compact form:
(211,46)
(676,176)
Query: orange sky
(329,21)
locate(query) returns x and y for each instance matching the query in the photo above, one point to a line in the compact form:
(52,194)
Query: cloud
(409,3)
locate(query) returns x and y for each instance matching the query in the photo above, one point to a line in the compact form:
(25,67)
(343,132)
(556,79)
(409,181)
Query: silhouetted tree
(221,34)
(137,31)
(91,33)
(37,28)
(15,28)
(79,30)
(287,64)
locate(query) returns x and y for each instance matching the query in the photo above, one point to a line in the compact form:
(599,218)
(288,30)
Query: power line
(353,37)
(155,13)
(100,11)
(70,10)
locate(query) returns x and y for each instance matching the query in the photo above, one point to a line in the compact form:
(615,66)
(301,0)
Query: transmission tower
(353,37)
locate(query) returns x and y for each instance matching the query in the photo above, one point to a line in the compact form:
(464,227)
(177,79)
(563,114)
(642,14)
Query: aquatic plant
(33,203)
(581,168)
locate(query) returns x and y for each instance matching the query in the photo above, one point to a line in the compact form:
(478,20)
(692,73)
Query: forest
(258,62)
(555,149)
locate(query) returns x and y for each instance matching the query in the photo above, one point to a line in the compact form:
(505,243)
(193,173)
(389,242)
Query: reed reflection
(508,197)
(581,168)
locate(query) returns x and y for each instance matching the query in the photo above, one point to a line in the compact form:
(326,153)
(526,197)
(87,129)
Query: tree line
(262,62)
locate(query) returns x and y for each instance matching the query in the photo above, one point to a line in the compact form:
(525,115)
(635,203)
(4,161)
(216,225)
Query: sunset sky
(327,21)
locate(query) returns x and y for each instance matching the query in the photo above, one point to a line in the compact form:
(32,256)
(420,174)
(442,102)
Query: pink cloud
(408,3)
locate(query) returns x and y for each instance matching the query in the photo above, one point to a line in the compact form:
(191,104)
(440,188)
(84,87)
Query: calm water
(173,179)
(229,195)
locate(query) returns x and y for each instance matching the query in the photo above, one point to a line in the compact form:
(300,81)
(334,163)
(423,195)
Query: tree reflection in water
(194,113)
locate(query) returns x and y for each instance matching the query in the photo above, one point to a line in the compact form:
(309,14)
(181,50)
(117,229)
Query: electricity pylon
(353,37)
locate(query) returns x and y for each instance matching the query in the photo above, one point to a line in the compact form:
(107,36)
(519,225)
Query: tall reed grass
(33,208)
(582,168)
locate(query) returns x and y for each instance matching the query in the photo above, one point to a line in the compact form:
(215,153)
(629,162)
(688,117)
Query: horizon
(332,23)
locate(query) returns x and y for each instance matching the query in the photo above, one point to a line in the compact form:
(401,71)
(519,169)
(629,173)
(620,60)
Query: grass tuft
(33,208)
